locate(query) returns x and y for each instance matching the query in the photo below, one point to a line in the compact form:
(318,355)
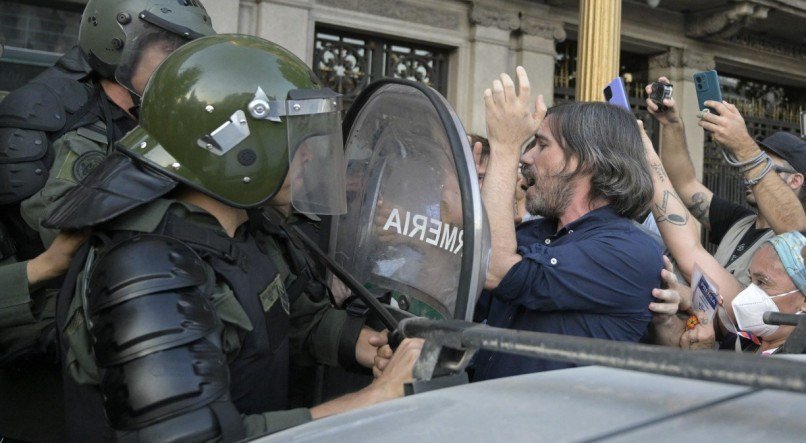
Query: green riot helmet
(243,120)
(125,40)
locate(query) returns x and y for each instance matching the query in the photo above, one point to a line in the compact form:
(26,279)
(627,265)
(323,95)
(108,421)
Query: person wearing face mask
(777,273)
(778,282)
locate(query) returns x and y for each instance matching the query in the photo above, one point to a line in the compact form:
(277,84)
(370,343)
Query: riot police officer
(63,122)
(191,274)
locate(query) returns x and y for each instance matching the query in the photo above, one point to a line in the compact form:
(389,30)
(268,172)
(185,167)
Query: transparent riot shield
(415,228)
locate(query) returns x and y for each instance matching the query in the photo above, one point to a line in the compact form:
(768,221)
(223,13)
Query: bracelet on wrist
(755,161)
(750,182)
(759,160)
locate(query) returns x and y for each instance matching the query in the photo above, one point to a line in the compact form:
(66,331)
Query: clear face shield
(147,45)
(316,170)
(316,155)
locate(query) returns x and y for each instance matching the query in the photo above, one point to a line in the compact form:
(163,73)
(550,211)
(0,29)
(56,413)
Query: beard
(548,196)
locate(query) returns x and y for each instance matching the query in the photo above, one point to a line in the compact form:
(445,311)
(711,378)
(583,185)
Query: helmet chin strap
(134,110)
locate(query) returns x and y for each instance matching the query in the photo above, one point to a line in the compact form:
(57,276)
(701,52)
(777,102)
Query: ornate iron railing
(348,61)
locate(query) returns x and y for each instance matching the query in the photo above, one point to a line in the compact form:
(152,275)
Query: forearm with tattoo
(659,172)
(700,207)
(671,210)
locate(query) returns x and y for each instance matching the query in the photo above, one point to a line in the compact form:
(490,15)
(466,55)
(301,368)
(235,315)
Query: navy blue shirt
(592,278)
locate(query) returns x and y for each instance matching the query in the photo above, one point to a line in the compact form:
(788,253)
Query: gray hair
(607,142)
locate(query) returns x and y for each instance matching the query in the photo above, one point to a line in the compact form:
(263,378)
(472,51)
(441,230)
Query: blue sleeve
(609,274)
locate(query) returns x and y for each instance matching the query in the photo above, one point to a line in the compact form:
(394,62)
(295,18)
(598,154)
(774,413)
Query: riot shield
(415,228)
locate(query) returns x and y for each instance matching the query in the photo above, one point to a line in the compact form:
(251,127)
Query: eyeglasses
(780,169)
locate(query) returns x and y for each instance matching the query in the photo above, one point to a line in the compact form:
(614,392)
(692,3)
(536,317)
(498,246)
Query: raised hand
(510,120)
(667,116)
(729,129)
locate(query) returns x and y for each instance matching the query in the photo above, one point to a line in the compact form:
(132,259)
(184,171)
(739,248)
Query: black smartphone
(661,91)
(616,94)
(707,85)
(803,124)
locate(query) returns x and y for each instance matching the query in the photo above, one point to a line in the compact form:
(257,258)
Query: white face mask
(749,307)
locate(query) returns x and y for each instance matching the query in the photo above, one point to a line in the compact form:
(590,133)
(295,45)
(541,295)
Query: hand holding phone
(707,85)
(616,94)
(661,91)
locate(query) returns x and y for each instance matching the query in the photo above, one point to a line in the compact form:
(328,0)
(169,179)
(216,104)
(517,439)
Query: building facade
(459,46)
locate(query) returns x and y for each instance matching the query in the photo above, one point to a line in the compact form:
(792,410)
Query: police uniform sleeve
(323,334)
(319,333)
(15,298)
(271,422)
(77,153)
(26,313)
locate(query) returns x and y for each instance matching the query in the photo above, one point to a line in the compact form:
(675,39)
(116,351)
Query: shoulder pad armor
(30,118)
(114,187)
(156,281)
(149,316)
(44,105)
(72,64)
(25,159)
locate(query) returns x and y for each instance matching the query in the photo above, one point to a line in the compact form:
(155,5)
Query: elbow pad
(157,339)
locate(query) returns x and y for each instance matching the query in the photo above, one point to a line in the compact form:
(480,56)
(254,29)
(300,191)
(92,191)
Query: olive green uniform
(24,311)
(27,313)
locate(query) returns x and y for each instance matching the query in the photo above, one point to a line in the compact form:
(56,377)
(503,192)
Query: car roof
(579,404)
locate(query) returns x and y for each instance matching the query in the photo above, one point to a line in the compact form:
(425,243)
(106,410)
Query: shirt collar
(597,217)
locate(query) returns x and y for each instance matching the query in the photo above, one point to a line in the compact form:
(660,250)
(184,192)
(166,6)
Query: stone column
(285,22)
(679,66)
(490,55)
(599,47)
(536,51)
(225,14)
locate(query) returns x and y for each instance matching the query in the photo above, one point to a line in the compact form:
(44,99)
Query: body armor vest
(259,371)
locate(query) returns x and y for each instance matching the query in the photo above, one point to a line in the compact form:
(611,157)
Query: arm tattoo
(658,168)
(663,209)
(700,207)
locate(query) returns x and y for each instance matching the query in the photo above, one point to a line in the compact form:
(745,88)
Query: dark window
(347,61)
(34,35)
(42,28)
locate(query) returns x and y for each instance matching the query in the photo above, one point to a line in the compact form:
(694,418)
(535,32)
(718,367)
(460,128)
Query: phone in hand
(803,124)
(707,85)
(616,94)
(661,91)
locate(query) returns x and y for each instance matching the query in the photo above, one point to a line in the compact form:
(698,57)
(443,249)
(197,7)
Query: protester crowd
(131,221)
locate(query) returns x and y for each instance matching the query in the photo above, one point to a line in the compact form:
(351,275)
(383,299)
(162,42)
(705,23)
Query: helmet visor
(146,47)
(316,156)
(153,34)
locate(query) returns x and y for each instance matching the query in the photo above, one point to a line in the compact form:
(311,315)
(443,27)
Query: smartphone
(616,94)
(707,85)
(803,124)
